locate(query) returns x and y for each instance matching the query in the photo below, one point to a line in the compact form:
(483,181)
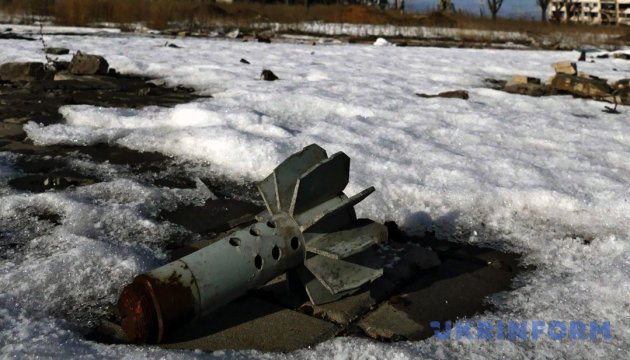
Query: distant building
(612,12)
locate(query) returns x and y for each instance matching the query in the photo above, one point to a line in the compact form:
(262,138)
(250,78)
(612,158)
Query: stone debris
(622,56)
(243,61)
(565,67)
(567,80)
(56,51)
(268,75)
(455,94)
(582,86)
(22,71)
(86,64)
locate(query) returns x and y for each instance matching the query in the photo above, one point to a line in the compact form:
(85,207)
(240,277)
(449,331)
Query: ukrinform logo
(523,330)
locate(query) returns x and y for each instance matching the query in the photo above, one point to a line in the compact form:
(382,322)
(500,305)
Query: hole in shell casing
(258,262)
(271,224)
(275,253)
(254,231)
(295,243)
(235,241)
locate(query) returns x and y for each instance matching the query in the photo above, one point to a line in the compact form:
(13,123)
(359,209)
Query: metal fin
(287,174)
(340,275)
(267,189)
(330,208)
(341,244)
(322,182)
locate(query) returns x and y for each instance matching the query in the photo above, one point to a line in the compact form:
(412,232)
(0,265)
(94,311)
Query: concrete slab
(252,323)
(456,290)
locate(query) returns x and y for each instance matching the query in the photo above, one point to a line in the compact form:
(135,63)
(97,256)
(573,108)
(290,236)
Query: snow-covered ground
(534,175)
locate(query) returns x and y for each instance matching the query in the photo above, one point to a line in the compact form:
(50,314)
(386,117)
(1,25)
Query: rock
(243,61)
(183,33)
(603,56)
(623,56)
(456,94)
(565,67)
(86,64)
(22,71)
(173,46)
(268,75)
(56,51)
(581,86)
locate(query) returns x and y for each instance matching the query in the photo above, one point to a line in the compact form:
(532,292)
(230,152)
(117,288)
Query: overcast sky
(512,8)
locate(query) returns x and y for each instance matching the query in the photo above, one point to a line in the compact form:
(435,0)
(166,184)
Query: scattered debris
(581,86)
(243,61)
(56,51)
(171,45)
(86,64)
(268,75)
(455,94)
(567,80)
(620,55)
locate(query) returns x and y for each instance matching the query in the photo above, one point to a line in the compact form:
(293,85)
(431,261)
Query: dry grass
(195,14)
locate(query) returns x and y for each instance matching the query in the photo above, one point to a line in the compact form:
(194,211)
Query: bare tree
(446,6)
(494,6)
(544,5)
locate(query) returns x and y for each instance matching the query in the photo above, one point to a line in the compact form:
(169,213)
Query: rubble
(581,86)
(567,80)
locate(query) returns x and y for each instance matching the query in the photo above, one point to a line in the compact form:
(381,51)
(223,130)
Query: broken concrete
(86,64)
(522,79)
(456,290)
(581,86)
(565,67)
(22,71)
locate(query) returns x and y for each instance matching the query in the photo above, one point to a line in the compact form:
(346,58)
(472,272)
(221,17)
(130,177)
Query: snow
(533,175)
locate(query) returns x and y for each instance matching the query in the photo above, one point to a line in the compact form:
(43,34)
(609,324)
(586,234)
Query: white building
(611,12)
